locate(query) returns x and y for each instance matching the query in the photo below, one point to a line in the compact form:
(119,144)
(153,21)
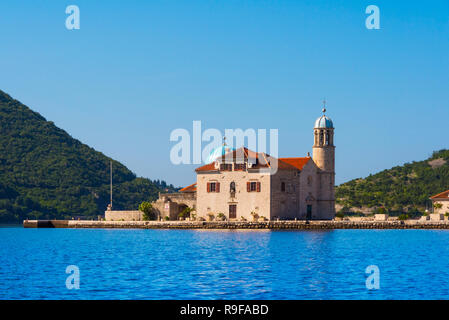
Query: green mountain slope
(45,173)
(400,189)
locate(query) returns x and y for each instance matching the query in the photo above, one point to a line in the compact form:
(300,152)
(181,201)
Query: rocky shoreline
(270,225)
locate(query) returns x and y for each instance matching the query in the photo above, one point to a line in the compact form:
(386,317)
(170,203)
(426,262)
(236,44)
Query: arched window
(283,186)
(309,181)
(321,138)
(232,187)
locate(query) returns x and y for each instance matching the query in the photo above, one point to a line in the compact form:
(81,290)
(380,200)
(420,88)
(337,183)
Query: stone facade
(440,203)
(214,203)
(441,206)
(172,204)
(381,217)
(436,216)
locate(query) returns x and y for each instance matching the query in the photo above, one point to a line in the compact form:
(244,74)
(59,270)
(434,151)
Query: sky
(137,70)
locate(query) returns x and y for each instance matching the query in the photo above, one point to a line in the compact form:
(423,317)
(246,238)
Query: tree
(185,213)
(147,210)
(46,173)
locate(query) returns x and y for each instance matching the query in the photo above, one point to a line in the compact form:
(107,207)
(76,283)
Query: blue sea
(223,264)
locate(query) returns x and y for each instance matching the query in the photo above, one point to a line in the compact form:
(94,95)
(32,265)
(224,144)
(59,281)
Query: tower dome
(218,152)
(324,122)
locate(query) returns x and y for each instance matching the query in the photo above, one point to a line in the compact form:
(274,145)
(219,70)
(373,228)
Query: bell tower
(324,158)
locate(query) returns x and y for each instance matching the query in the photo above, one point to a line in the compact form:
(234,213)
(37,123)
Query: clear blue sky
(136,70)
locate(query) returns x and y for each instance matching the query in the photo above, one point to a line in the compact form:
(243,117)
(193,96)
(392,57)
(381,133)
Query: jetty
(270,225)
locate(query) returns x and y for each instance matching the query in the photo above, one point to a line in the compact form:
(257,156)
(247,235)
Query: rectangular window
(240,167)
(253,186)
(232,211)
(213,187)
(226,167)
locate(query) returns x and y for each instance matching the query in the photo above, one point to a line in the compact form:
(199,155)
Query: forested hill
(45,173)
(403,188)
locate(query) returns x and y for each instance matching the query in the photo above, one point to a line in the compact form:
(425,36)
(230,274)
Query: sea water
(223,264)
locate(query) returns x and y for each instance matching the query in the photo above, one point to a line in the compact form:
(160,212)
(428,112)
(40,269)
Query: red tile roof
(262,160)
(191,188)
(298,163)
(442,195)
(207,167)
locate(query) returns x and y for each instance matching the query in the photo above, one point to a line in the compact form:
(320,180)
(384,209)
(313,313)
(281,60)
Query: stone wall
(171,204)
(115,215)
(269,225)
(285,204)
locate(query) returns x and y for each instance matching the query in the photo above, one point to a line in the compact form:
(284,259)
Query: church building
(242,184)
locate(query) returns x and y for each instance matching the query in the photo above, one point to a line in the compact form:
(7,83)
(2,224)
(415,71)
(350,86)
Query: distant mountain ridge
(45,173)
(404,188)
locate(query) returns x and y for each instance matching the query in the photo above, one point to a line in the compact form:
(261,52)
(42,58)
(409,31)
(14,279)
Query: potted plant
(221,216)
(255,216)
(210,216)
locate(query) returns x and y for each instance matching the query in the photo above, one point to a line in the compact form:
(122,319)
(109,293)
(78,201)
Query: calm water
(190,264)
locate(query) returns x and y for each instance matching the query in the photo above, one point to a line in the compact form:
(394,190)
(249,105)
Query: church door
(309,212)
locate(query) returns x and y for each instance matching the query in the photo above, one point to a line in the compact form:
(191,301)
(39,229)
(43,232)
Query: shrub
(340,215)
(166,218)
(147,210)
(403,216)
(381,210)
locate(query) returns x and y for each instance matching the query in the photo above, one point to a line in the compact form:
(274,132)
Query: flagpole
(111,183)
